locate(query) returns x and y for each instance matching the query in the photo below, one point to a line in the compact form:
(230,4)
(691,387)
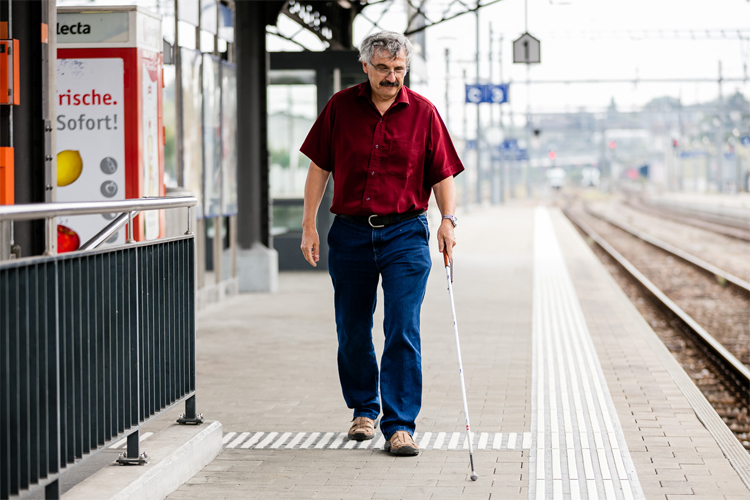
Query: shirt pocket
(402,158)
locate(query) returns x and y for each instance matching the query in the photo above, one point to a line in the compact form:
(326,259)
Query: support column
(257,261)
(27,127)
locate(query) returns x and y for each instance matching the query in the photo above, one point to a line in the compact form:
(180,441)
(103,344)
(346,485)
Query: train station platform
(570,392)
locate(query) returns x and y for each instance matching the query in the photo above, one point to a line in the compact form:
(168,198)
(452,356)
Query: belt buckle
(369,221)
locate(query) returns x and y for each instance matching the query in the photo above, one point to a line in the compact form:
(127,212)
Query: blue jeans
(358,256)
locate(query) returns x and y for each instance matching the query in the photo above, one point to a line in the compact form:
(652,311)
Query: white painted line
(350,444)
(296,439)
(591,487)
(227,437)
(380,442)
(556,469)
(621,472)
(511,441)
(483,438)
(540,468)
(425,440)
(267,440)
(363,445)
(627,492)
(572,467)
(540,490)
(526,440)
(439,441)
(555,441)
(324,440)
(280,441)
(239,440)
(584,439)
(603,464)
(337,442)
(609,490)
(309,441)
(588,465)
(557,489)
(254,439)
(454,440)
(575,490)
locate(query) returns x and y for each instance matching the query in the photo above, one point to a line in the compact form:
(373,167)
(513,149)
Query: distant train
(556,178)
(590,177)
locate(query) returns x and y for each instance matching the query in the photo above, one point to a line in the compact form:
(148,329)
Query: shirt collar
(403,94)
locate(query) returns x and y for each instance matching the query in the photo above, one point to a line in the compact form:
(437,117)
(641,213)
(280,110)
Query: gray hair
(385,40)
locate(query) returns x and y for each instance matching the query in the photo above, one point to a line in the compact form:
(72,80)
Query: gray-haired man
(387,149)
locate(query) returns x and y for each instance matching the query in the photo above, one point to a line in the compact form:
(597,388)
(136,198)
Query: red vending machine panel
(109,115)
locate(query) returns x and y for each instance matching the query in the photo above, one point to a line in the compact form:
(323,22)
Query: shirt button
(368,199)
(376,146)
(381,121)
(372,173)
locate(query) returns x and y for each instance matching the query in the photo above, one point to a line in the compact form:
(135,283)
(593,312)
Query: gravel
(722,311)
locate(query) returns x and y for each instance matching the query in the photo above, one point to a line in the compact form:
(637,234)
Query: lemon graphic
(69,167)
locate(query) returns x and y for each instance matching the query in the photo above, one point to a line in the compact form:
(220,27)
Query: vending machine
(110,137)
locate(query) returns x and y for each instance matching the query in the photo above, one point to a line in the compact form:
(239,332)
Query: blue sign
(692,154)
(508,145)
(476,94)
(746,141)
(472,144)
(498,93)
(513,155)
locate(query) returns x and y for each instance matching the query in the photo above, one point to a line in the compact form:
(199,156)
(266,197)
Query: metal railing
(93,344)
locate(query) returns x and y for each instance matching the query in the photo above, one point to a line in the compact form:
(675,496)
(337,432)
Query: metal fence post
(133,456)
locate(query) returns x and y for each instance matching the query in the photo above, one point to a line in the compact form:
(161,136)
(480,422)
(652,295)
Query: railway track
(722,377)
(714,224)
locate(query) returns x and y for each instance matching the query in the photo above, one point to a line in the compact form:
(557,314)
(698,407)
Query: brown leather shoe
(362,429)
(402,444)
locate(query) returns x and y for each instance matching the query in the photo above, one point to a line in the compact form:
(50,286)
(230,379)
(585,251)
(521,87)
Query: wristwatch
(452,218)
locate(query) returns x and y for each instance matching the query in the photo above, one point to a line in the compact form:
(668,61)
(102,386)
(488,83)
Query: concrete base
(258,269)
(176,454)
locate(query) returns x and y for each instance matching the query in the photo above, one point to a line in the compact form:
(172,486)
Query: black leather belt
(378,221)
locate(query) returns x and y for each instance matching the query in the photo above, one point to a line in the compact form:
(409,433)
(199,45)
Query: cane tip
(474,477)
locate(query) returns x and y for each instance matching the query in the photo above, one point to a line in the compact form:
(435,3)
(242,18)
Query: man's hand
(446,238)
(310,245)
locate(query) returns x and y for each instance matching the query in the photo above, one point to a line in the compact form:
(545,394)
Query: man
(387,148)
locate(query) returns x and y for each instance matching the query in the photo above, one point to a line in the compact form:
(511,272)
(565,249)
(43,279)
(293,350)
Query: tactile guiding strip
(578,448)
(339,441)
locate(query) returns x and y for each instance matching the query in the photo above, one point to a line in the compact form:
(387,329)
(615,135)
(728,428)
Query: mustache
(386,83)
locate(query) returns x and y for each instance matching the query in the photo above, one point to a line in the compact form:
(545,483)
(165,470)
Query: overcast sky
(580,39)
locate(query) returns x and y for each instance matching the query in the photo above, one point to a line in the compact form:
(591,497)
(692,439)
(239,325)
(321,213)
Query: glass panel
(212,135)
(292,110)
(170,126)
(209,14)
(229,138)
(186,33)
(192,133)
(188,11)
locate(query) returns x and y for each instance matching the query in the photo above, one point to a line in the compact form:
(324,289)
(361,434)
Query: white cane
(449,276)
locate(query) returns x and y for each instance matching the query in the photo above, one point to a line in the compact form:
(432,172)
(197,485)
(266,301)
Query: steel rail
(127,208)
(34,211)
(702,265)
(714,227)
(735,370)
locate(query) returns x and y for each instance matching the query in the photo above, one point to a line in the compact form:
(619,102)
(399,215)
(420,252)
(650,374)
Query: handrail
(34,211)
(128,208)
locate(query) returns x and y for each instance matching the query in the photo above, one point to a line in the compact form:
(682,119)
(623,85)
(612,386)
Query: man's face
(386,74)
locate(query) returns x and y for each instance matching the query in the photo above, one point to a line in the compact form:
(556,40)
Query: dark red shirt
(381,164)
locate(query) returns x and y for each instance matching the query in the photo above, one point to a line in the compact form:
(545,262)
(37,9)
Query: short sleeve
(317,145)
(442,160)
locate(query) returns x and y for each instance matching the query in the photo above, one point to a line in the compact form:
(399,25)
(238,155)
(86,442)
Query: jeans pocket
(423,221)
